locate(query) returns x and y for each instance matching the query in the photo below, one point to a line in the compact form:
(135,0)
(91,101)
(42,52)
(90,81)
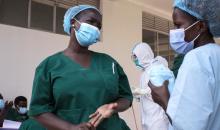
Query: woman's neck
(75,48)
(203,40)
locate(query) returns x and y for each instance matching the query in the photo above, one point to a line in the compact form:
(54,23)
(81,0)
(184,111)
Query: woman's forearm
(123,104)
(52,122)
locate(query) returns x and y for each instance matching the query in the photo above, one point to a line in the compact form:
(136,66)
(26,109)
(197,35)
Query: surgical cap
(207,10)
(72,12)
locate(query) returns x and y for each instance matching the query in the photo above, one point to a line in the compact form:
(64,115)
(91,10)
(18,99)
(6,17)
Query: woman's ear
(203,27)
(73,25)
(73,22)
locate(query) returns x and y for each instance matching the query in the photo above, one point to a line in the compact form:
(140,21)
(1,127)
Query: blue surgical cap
(207,10)
(71,13)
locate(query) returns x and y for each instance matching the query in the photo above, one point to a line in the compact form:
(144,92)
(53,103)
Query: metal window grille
(46,15)
(155,33)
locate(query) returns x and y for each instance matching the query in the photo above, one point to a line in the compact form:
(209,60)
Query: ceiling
(164,5)
(158,7)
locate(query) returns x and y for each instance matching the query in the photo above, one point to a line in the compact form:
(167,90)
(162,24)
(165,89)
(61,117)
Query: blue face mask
(177,40)
(136,62)
(22,110)
(138,65)
(87,34)
(2,104)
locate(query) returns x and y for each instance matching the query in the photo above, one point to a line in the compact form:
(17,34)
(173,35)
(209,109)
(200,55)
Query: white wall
(161,8)
(21,50)
(217,40)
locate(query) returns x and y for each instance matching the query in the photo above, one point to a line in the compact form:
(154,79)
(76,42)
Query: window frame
(54,3)
(149,23)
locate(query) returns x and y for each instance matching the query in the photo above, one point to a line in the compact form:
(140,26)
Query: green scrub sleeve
(124,87)
(31,124)
(177,63)
(42,96)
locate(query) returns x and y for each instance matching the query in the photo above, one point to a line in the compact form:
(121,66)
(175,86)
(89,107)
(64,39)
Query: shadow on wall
(217,40)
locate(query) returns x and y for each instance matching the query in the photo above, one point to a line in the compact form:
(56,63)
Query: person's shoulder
(104,56)
(49,60)
(204,52)
(206,49)
(11,114)
(11,110)
(53,57)
(202,58)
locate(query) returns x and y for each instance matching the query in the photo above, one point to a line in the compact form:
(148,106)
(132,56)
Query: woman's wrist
(165,103)
(114,107)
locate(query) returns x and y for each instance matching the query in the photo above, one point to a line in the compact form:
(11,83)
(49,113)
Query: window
(14,12)
(41,16)
(59,19)
(44,15)
(155,33)
(89,2)
(150,38)
(164,48)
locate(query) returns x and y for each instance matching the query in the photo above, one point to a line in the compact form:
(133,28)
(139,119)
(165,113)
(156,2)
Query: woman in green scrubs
(178,60)
(78,89)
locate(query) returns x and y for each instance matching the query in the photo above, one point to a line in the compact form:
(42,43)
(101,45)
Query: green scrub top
(72,92)
(13,115)
(178,60)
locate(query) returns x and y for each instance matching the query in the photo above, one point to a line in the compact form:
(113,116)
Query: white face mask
(22,110)
(177,40)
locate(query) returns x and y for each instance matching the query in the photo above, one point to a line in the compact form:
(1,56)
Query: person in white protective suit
(155,69)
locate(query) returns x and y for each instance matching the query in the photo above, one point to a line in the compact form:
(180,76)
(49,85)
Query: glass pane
(89,2)
(41,16)
(163,39)
(59,20)
(163,46)
(150,38)
(14,12)
(164,53)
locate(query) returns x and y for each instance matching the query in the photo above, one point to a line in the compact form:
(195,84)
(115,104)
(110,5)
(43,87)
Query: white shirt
(195,100)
